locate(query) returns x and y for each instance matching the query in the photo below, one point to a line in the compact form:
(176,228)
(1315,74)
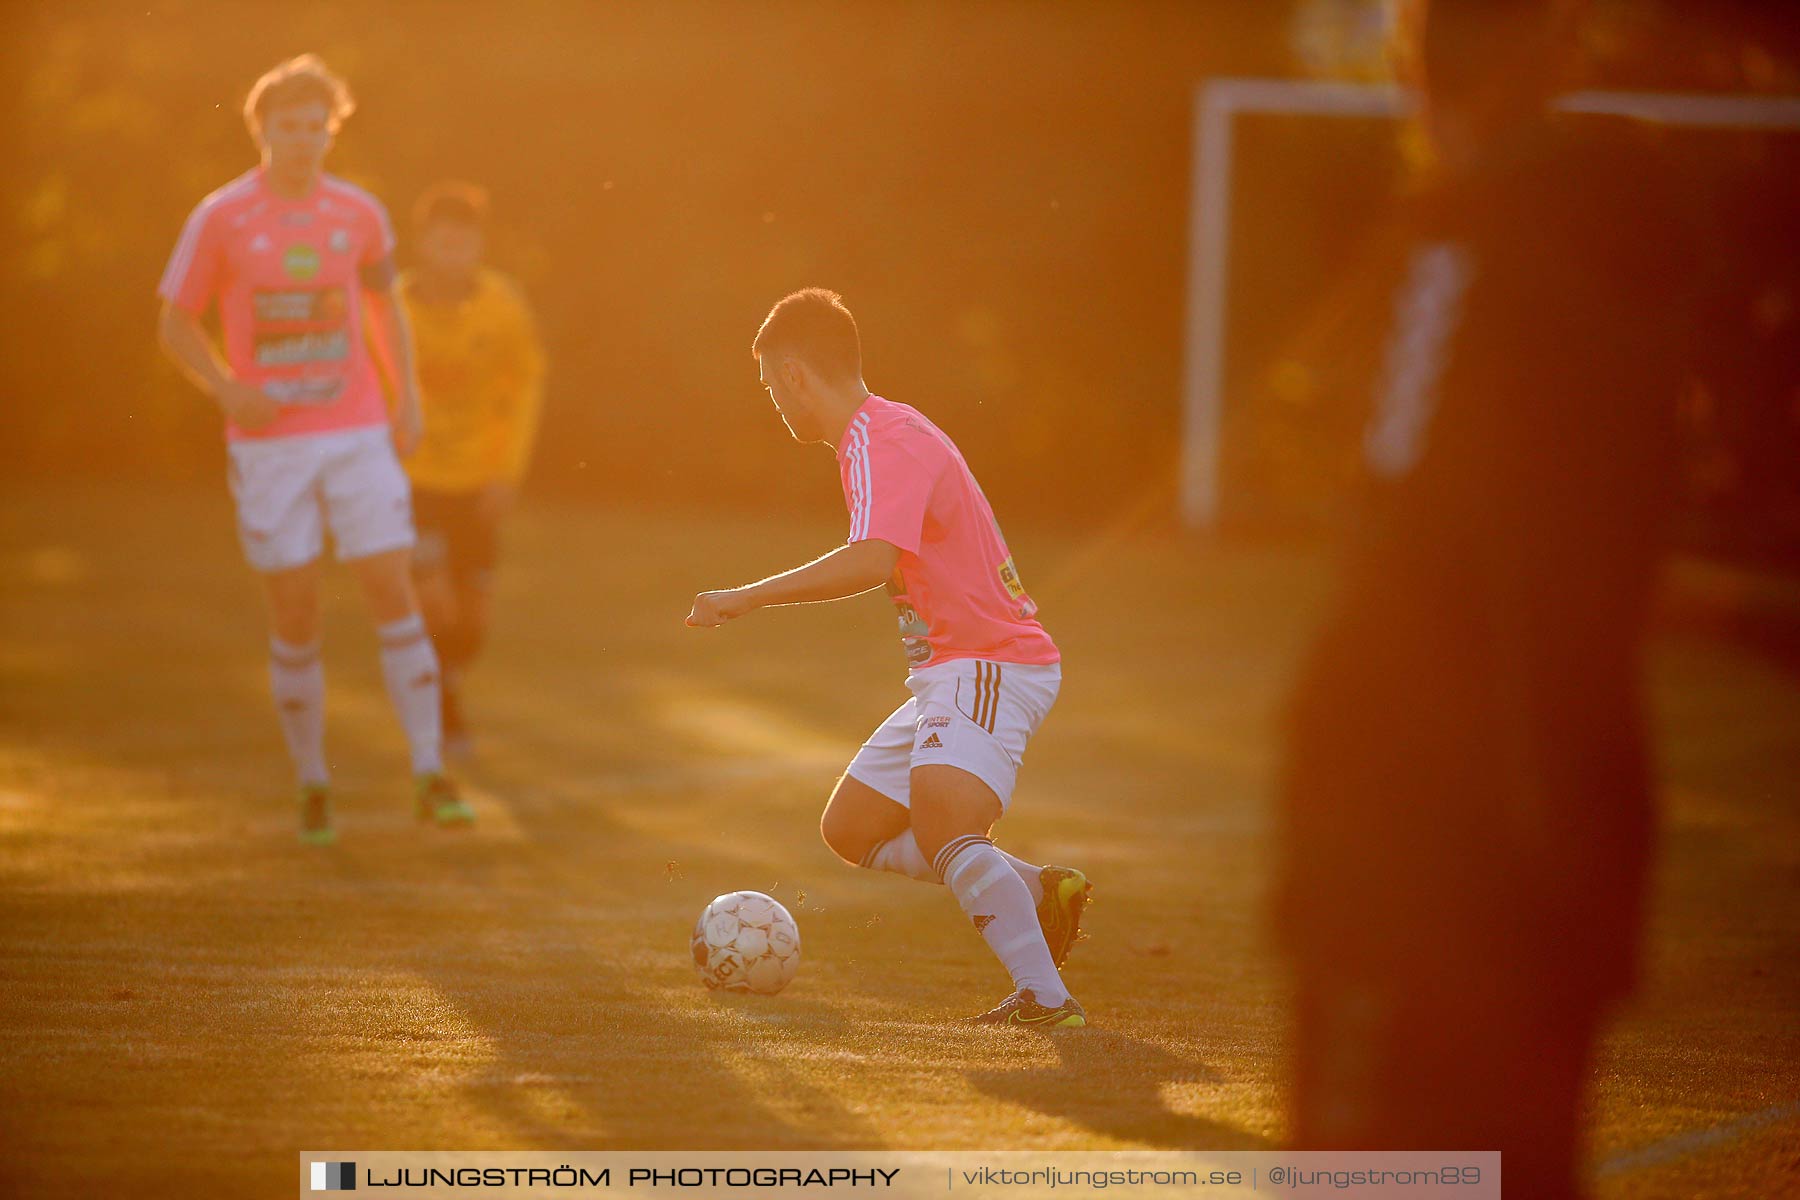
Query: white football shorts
(288,489)
(966,713)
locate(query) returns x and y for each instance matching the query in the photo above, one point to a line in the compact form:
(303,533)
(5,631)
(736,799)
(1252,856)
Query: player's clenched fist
(715,608)
(246,404)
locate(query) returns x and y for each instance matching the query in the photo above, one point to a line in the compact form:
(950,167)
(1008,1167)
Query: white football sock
(297,679)
(902,856)
(1033,876)
(997,900)
(410,667)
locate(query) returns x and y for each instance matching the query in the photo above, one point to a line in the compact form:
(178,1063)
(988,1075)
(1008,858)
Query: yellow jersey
(481,376)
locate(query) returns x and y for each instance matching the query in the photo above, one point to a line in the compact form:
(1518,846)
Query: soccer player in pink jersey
(294,259)
(922,795)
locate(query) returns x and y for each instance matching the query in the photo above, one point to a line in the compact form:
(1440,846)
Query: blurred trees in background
(1000,191)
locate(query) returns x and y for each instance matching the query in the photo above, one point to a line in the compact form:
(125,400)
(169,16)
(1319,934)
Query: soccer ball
(746,942)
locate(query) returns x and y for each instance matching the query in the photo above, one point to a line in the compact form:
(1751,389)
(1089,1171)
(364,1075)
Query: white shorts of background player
(288,489)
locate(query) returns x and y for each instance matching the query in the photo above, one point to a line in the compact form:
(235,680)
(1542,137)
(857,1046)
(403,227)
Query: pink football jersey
(956,589)
(288,277)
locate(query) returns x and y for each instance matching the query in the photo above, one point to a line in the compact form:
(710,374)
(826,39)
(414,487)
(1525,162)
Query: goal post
(1217,104)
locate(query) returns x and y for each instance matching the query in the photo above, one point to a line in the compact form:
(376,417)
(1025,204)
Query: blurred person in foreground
(1467,811)
(921,797)
(293,258)
(481,370)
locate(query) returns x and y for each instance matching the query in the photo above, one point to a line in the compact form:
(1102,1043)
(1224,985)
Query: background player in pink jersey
(922,795)
(294,259)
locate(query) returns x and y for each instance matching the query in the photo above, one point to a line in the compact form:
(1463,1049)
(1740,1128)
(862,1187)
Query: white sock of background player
(410,666)
(297,680)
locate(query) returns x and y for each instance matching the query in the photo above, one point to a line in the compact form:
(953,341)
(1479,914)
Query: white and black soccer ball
(746,942)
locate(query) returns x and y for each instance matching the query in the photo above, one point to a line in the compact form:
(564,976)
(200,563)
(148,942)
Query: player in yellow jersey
(481,371)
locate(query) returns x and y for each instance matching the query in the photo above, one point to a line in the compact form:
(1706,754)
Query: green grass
(188,996)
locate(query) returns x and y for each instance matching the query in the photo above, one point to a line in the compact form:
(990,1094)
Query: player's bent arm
(387,317)
(847,571)
(520,436)
(520,389)
(184,340)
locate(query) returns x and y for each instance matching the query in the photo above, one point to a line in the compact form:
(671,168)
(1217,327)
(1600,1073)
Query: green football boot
(435,798)
(315,815)
(1022,1009)
(1066,894)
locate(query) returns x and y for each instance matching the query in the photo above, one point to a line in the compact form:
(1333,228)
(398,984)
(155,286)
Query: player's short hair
(300,79)
(814,324)
(453,201)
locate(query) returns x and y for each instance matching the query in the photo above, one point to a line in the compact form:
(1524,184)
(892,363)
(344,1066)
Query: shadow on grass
(596,1051)
(1111,1083)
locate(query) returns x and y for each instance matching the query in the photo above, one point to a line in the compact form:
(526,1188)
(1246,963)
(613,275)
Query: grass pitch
(188,996)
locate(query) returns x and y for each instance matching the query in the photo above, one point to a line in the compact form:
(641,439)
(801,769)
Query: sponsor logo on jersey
(287,350)
(321,304)
(318,390)
(1009,575)
(297,217)
(937,722)
(913,631)
(932,743)
(982,922)
(300,262)
(260,244)
(339,241)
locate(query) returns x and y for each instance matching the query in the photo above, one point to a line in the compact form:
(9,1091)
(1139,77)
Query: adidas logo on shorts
(931,743)
(982,922)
